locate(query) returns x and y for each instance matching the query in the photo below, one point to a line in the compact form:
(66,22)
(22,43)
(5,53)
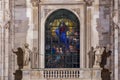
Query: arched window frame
(63,14)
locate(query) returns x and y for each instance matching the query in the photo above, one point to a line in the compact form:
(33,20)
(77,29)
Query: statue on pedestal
(91,55)
(105,56)
(98,53)
(105,74)
(27,53)
(18,75)
(34,57)
(19,53)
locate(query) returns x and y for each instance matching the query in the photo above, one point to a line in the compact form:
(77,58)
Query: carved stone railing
(52,74)
(62,74)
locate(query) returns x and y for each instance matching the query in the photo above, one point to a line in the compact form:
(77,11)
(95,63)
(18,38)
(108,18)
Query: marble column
(95,17)
(115,21)
(4,53)
(35,35)
(0,51)
(88,34)
(12,60)
(6,56)
(116,53)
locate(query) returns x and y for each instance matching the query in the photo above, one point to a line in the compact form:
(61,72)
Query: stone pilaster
(116,38)
(88,32)
(89,2)
(116,54)
(35,22)
(94,30)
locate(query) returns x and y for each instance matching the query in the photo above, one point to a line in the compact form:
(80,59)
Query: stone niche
(78,8)
(46,7)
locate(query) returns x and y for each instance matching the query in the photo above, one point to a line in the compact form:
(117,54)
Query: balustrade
(63,73)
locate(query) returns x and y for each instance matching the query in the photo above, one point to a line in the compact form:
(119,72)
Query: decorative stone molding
(115,19)
(89,2)
(77,10)
(46,11)
(35,3)
(63,74)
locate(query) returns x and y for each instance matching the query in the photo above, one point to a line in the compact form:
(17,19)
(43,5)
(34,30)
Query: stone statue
(91,55)
(19,53)
(18,75)
(27,53)
(105,74)
(98,53)
(105,57)
(34,57)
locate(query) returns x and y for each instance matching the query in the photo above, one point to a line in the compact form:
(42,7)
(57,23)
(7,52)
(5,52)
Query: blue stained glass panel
(62,40)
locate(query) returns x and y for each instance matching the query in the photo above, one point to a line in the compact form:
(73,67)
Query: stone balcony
(62,74)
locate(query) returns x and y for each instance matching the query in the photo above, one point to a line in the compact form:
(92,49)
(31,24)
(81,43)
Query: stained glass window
(62,40)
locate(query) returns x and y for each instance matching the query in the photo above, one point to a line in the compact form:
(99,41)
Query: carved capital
(89,2)
(35,3)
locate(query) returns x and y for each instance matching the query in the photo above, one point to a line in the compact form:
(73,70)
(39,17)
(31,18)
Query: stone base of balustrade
(62,74)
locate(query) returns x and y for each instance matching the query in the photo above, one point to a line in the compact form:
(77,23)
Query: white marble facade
(24,22)
(78,8)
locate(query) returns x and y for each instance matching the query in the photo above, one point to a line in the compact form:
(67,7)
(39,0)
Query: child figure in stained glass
(53,50)
(61,51)
(57,55)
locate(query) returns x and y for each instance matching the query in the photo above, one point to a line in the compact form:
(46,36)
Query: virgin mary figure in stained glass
(62,40)
(62,36)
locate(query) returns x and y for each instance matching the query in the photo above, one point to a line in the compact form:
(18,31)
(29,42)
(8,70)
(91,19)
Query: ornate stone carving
(46,11)
(35,2)
(26,55)
(98,53)
(77,10)
(115,19)
(89,2)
